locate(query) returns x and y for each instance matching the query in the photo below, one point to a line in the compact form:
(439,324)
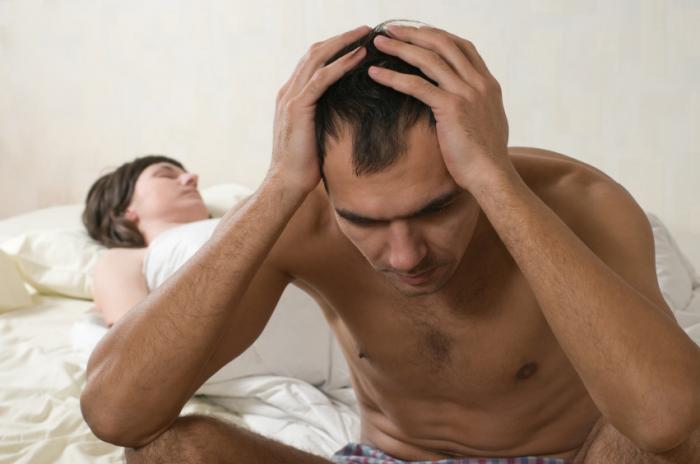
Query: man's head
(386,179)
(375,116)
(153,189)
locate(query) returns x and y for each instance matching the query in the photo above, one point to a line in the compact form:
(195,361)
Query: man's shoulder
(567,185)
(600,211)
(586,199)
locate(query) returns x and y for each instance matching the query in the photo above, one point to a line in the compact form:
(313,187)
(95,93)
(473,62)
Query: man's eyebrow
(432,205)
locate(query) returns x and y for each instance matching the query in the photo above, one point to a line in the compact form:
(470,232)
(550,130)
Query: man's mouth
(416,279)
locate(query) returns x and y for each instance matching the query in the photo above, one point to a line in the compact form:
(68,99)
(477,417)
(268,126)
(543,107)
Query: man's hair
(377,116)
(108,198)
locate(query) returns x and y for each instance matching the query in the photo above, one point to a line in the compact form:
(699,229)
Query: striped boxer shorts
(361,453)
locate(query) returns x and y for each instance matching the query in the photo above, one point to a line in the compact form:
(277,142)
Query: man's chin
(410,292)
(427,287)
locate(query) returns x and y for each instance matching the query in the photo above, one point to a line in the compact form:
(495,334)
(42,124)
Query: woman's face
(166,193)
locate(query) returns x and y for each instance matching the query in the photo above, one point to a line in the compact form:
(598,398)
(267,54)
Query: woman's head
(124,206)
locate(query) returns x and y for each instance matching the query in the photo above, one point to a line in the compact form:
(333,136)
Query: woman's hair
(108,199)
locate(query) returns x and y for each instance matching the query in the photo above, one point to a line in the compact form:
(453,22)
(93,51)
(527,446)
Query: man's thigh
(607,445)
(198,439)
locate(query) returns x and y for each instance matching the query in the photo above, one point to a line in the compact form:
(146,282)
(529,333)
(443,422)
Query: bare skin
(478,357)
(465,376)
(440,381)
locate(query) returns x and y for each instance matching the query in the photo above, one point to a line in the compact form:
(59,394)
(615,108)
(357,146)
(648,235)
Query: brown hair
(378,116)
(108,199)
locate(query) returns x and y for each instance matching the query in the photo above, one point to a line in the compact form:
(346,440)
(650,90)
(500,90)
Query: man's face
(411,221)
(166,193)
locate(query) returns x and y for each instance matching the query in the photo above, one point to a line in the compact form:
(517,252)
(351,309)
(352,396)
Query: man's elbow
(672,432)
(105,425)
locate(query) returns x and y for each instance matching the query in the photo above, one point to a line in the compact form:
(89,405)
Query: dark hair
(108,199)
(376,115)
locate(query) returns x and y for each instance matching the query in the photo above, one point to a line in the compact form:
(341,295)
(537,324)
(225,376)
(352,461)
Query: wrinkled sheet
(42,375)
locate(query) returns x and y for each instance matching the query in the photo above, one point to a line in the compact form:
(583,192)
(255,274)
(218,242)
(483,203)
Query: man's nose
(406,247)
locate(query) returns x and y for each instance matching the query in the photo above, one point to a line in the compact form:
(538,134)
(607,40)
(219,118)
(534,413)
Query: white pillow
(54,253)
(56,261)
(674,271)
(13,293)
(57,217)
(220,198)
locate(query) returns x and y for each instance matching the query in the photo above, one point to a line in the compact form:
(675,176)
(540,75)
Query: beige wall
(86,85)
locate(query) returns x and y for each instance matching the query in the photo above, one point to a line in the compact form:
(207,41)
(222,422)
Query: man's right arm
(155,357)
(208,312)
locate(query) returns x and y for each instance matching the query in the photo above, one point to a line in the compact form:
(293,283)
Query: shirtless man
(491,301)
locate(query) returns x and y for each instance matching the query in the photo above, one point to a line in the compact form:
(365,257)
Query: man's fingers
(432,64)
(326,76)
(441,43)
(469,49)
(410,84)
(317,56)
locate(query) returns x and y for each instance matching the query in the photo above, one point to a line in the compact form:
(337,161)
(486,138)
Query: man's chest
(484,343)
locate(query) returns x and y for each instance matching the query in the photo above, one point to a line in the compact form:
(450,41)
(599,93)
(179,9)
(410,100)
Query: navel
(527,371)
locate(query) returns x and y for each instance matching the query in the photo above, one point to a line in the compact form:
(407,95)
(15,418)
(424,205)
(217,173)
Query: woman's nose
(190,178)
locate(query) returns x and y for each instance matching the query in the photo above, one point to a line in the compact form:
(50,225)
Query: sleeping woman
(151,216)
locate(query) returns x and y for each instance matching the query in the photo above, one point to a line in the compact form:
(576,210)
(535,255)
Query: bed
(48,327)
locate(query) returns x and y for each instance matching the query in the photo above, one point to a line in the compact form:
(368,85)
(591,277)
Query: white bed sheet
(42,375)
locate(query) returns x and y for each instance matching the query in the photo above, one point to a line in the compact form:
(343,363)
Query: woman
(150,215)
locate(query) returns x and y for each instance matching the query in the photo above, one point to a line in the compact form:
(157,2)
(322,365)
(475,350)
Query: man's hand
(472,127)
(294,156)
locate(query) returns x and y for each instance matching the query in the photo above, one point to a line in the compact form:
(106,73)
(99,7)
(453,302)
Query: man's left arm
(640,368)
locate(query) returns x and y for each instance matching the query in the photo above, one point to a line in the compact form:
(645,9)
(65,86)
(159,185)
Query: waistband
(362,453)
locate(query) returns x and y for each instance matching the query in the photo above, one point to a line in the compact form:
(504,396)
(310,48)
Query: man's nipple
(527,371)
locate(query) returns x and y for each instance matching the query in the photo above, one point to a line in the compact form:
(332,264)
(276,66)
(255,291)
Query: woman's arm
(119,283)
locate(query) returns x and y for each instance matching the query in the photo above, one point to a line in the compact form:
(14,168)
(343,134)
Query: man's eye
(363,223)
(437,209)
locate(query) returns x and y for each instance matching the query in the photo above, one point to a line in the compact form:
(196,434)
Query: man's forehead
(418,175)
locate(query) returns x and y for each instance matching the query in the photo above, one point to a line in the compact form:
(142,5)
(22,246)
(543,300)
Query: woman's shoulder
(122,258)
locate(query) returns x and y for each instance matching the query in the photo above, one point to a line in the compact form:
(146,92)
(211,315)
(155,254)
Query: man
(492,302)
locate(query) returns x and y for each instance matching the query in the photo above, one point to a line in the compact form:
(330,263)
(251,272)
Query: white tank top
(296,341)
